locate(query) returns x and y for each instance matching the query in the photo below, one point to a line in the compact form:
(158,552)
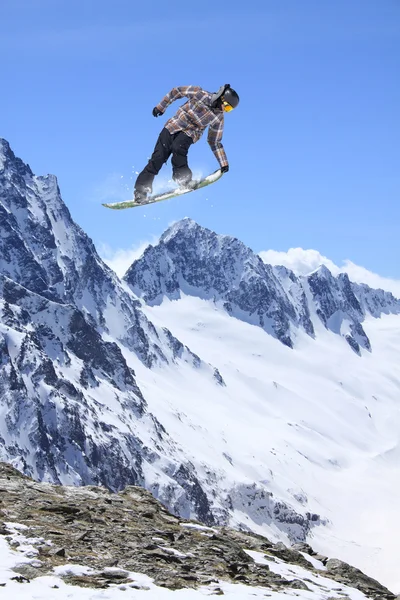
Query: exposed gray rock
(193,260)
(344,573)
(115,534)
(263,508)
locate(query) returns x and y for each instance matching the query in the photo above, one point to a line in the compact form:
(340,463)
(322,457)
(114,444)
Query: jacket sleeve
(215,133)
(184,91)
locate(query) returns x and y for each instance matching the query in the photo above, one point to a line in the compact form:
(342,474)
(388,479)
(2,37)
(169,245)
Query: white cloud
(298,260)
(302,262)
(120,260)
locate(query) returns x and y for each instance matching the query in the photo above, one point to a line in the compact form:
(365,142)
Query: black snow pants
(178,145)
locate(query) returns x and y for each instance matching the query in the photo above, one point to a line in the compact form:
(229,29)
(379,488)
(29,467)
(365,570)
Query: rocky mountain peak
(322,273)
(9,162)
(203,240)
(186,226)
(193,260)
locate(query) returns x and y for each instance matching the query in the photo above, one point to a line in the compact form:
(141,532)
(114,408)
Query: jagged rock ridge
(190,259)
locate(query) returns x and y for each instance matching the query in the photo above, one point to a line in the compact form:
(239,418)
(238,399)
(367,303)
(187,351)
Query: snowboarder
(203,109)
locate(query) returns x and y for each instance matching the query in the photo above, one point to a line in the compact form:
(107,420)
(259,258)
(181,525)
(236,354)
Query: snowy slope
(311,408)
(317,426)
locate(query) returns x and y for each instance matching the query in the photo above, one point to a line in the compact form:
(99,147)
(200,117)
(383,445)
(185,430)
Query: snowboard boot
(140,196)
(185,183)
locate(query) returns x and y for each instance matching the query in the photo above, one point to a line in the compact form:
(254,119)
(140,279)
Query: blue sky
(313,147)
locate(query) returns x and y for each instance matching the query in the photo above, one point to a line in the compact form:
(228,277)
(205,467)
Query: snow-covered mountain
(234,391)
(70,333)
(311,407)
(192,260)
(72,337)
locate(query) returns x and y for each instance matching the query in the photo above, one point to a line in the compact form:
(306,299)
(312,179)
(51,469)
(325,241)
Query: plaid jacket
(195,116)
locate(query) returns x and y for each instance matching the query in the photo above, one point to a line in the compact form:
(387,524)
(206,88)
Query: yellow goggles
(226,107)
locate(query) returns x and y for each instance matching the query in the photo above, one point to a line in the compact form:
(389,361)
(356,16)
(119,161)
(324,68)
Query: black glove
(225,169)
(156,112)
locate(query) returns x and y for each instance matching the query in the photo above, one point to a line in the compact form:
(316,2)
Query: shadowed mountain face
(192,260)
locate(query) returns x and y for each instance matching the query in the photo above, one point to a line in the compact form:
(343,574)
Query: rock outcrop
(110,535)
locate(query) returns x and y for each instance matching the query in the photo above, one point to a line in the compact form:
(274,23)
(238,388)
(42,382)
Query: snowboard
(195,185)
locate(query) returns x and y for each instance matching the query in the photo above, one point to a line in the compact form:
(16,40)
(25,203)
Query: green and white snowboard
(196,185)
